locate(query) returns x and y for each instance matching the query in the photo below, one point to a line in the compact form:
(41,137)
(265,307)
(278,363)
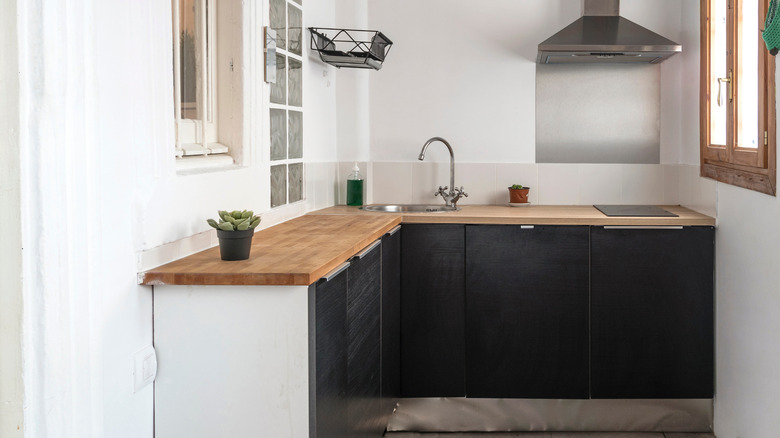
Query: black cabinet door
(432,310)
(328,354)
(527,311)
(391,321)
(364,350)
(652,313)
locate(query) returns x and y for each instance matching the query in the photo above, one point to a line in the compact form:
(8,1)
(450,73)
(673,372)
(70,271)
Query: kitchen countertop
(535,215)
(302,250)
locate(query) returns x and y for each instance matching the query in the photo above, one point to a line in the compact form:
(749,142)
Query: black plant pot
(235,245)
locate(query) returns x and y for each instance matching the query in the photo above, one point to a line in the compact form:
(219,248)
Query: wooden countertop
(534,215)
(297,252)
(302,250)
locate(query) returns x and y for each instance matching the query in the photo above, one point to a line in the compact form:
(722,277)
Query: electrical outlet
(144,367)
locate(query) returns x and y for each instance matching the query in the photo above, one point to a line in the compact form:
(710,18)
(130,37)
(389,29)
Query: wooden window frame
(750,168)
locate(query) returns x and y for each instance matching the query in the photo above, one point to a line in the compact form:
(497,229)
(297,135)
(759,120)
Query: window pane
(747,113)
(295,83)
(279,88)
(278,134)
(718,69)
(296,134)
(279,22)
(189,57)
(296,29)
(278,185)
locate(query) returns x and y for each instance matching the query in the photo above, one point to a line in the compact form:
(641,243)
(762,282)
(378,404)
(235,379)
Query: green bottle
(355,187)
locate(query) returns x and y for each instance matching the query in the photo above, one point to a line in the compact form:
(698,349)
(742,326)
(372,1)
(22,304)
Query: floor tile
(550,435)
(688,435)
(607,435)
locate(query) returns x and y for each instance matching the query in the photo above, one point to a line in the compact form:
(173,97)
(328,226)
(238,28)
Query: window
(286,104)
(207,80)
(737,96)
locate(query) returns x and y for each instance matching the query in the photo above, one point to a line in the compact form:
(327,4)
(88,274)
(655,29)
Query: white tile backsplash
(551,184)
(426,179)
(600,184)
(392,183)
(671,184)
(479,181)
(642,184)
(508,174)
(558,184)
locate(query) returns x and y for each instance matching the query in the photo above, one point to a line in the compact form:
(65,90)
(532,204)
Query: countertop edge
(475,215)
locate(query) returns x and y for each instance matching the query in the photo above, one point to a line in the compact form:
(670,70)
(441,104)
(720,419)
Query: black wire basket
(351,48)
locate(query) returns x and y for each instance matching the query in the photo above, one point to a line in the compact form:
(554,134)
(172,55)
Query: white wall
(748,315)
(466,71)
(11,385)
(102,199)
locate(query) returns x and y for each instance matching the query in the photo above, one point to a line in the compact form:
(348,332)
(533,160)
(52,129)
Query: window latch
(728,81)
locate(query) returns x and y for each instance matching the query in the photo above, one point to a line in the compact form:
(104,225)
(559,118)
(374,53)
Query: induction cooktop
(634,211)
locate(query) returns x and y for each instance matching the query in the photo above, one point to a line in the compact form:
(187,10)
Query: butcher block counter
(302,250)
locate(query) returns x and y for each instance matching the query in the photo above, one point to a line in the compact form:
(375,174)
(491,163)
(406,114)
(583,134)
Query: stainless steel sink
(409,208)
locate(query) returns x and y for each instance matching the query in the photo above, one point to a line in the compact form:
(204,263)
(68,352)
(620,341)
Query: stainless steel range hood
(601,35)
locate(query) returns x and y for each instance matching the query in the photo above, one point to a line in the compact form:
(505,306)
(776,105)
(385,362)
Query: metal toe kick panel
(494,415)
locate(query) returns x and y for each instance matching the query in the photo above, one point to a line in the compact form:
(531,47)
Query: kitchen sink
(409,208)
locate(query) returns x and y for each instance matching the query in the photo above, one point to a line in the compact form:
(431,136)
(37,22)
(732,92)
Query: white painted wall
(11,385)
(95,141)
(466,71)
(748,315)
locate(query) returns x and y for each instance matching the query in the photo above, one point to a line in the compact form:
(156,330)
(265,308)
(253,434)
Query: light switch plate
(144,367)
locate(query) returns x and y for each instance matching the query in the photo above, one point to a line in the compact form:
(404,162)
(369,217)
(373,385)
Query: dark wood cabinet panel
(328,310)
(652,313)
(391,322)
(432,310)
(527,311)
(364,350)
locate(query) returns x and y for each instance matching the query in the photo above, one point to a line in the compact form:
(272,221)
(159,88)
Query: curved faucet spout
(451,197)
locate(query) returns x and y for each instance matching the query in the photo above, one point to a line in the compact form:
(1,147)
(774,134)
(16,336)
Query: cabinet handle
(641,227)
(394,230)
(363,253)
(329,276)
(526,227)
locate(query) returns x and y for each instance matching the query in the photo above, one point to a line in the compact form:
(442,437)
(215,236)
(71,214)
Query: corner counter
(302,250)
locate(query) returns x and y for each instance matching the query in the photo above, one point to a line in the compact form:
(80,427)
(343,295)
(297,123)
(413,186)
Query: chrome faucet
(450,198)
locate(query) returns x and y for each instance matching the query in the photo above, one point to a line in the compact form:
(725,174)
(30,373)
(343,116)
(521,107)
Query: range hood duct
(601,35)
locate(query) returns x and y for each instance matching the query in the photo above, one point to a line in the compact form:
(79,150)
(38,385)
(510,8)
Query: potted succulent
(235,230)
(518,194)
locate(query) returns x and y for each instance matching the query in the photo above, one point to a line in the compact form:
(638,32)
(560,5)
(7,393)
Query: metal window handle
(729,81)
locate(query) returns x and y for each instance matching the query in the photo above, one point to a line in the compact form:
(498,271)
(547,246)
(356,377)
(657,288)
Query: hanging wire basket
(771,33)
(351,48)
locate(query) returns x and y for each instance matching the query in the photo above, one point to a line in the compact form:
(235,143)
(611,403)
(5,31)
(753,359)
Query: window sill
(763,182)
(203,163)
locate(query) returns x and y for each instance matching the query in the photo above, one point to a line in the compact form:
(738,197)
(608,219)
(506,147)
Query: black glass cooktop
(634,211)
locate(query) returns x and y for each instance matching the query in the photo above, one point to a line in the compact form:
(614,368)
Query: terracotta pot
(518,196)
(235,245)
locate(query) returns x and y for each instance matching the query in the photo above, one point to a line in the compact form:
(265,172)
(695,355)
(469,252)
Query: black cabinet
(345,350)
(432,310)
(652,312)
(328,357)
(364,289)
(527,311)
(391,321)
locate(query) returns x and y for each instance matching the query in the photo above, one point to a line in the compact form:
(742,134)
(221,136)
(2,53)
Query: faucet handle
(460,192)
(442,191)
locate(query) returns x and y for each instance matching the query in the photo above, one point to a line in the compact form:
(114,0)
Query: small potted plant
(518,194)
(235,230)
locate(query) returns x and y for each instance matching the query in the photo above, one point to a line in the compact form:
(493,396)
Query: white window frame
(199,137)
(287,107)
